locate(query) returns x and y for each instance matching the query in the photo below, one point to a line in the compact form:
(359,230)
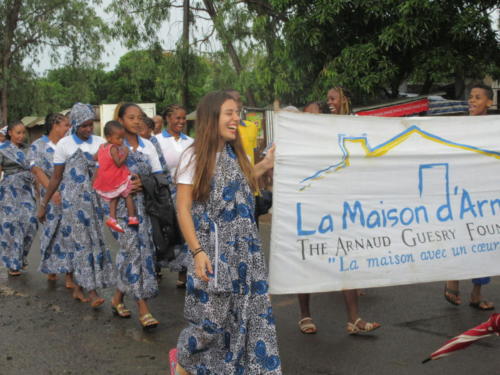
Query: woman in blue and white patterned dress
(135,261)
(18,224)
(82,213)
(230,323)
(54,245)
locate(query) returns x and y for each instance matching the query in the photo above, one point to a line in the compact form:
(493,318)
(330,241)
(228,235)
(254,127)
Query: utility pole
(185,56)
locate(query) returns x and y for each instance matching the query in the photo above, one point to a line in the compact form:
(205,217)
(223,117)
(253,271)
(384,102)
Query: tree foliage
(292,50)
(70,27)
(373,46)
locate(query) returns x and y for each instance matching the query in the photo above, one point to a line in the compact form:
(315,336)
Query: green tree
(372,46)
(230,22)
(62,87)
(156,76)
(28,26)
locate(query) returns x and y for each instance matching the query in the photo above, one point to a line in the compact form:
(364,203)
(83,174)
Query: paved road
(43,331)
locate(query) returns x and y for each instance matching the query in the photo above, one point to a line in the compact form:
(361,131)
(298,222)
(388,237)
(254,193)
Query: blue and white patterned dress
(135,261)
(231,326)
(83,222)
(56,256)
(18,223)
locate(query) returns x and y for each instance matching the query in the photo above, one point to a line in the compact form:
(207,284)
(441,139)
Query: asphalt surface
(44,331)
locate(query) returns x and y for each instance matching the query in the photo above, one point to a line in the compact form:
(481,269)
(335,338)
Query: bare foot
(69,282)
(79,296)
(179,370)
(95,300)
(51,277)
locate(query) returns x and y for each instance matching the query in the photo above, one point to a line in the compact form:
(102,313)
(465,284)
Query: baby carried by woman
(114,179)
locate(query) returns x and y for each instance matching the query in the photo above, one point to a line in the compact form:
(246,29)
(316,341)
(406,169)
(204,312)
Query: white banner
(368,201)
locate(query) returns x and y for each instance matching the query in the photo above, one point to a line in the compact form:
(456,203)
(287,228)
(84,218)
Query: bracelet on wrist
(197,251)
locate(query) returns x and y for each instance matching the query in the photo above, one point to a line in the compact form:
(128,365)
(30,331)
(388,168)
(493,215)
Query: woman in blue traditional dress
(135,261)
(18,224)
(53,238)
(230,323)
(171,143)
(82,213)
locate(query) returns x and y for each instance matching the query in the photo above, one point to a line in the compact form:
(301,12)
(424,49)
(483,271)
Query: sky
(169,33)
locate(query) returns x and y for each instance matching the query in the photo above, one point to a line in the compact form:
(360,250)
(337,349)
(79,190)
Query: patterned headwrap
(79,114)
(3,130)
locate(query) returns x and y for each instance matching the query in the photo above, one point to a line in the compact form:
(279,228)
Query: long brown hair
(206,144)
(345,100)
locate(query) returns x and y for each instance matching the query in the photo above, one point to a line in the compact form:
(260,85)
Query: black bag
(263,203)
(160,207)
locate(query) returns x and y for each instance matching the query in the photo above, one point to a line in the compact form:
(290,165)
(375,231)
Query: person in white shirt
(173,142)
(82,213)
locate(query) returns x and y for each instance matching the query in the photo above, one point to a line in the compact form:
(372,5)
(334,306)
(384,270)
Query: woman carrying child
(135,261)
(113,178)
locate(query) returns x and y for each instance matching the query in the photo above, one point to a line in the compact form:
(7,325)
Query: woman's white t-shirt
(186,168)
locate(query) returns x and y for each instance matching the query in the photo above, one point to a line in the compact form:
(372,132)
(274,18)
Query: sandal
(452,296)
(121,311)
(147,321)
(482,305)
(52,277)
(354,328)
(307,325)
(14,273)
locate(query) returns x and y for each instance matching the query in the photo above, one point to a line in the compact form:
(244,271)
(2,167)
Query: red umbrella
(489,328)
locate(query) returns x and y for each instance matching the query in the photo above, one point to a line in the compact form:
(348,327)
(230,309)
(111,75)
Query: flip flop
(450,292)
(479,305)
(14,273)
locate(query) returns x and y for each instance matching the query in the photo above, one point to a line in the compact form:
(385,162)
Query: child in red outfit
(113,178)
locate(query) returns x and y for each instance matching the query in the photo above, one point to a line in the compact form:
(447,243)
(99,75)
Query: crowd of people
(70,183)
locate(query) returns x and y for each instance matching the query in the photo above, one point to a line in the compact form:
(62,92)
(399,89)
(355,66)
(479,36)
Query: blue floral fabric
(82,224)
(135,261)
(56,256)
(18,223)
(231,327)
